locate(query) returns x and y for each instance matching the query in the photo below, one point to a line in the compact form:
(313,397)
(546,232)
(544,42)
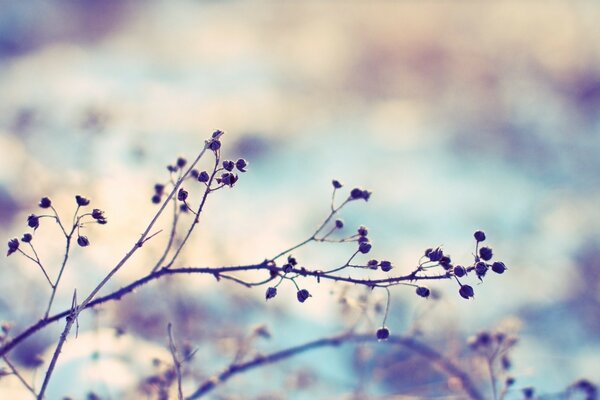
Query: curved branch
(438,360)
(218,273)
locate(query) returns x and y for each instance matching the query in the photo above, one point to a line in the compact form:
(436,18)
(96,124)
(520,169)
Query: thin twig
(176,362)
(438,360)
(16,373)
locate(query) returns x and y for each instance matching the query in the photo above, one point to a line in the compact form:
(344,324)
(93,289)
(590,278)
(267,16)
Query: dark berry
(182,194)
(292,261)
(339,223)
(241,165)
(83,241)
(528,392)
(479,236)
(97,214)
(203,177)
(383,333)
(423,291)
(436,255)
(229,179)
(159,188)
(466,291)
(302,295)
(336,184)
(183,208)
(362,239)
(459,271)
(372,264)
(386,266)
(228,165)
(171,168)
(366,195)
(27,238)
(364,247)
(181,162)
(217,134)
(81,201)
(445,262)
(33,221)
(156,199)
(485,253)
(13,245)
(498,267)
(45,202)
(271,292)
(481,268)
(356,194)
(363,231)
(194,173)
(510,381)
(428,251)
(214,145)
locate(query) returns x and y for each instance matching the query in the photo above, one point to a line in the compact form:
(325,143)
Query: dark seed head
(214,145)
(13,245)
(181,162)
(203,177)
(460,271)
(182,194)
(156,199)
(363,231)
(27,238)
(466,291)
(83,241)
(45,202)
(159,188)
(356,194)
(364,247)
(81,201)
(303,295)
(436,254)
(386,266)
(423,291)
(228,165)
(485,253)
(382,333)
(271,292)
(33,221)
(241,165)
(498,267)
(339,223)
(336,184)
(479,236)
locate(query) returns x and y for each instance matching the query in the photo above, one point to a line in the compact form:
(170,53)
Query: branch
(436,359)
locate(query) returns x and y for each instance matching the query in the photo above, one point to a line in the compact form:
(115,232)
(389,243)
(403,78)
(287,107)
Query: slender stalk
(16,373)
(438,360)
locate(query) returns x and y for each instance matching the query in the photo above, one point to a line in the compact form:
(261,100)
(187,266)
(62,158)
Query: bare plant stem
(16,373)
(438,360)
(176,362)
(217,272)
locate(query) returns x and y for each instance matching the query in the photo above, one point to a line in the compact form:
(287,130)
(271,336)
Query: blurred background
(457,116)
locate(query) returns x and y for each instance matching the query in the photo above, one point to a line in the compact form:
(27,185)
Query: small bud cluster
(33,222)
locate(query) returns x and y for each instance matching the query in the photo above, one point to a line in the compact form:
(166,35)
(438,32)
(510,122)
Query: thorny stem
(438,360)
(217,272)
(61,341)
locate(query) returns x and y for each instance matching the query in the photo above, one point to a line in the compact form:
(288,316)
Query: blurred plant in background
(456,116)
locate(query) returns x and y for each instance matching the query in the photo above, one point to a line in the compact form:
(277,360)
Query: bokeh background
(458,116)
